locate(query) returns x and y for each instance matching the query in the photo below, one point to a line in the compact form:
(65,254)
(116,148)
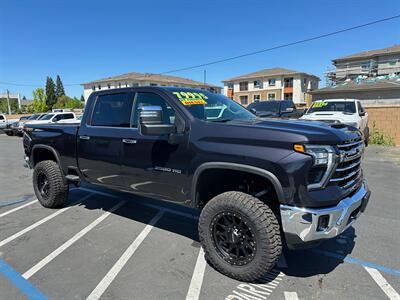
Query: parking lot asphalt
(109,245)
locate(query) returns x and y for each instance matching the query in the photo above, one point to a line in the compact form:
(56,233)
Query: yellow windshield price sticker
(188,98)
(319,104)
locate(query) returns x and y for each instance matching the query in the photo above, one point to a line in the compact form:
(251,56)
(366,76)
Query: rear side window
(1,117)
(112,110)
(68,116)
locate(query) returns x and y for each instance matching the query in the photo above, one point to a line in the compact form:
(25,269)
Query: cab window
(112,110)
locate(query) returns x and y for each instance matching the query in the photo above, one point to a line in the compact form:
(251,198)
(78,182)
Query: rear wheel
(240,235)
(9,133)
(50,185)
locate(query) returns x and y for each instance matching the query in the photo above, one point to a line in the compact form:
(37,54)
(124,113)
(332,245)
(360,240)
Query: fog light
(323,222)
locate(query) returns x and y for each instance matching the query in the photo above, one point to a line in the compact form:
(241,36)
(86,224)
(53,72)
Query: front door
(100,140)
(153,165)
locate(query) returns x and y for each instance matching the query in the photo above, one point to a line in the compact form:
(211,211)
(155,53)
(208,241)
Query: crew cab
(346,111)
(275,109)
(258,183)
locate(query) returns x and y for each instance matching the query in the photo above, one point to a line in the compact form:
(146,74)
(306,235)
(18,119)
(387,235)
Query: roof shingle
(370,53)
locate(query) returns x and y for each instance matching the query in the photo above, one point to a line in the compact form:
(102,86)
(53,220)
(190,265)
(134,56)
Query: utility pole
(8,102)
(205,77)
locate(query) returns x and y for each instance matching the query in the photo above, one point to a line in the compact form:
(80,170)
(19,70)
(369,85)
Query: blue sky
(86,40)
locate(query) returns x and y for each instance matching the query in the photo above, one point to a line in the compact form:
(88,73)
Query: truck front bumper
(307,225)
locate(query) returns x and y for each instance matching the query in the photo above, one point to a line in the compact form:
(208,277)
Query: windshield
(271,106)
(343,106)
(47,117)
(211,107)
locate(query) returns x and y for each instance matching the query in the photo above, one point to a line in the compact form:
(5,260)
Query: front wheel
(240,235)
(50,185)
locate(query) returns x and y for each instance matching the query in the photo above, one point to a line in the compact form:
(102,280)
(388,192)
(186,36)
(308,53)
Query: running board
(73,178)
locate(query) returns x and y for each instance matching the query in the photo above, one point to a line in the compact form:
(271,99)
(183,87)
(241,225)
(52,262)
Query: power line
(245,54)
(32,85)
(283,45)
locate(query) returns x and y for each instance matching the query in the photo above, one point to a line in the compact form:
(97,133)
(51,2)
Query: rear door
(100,138)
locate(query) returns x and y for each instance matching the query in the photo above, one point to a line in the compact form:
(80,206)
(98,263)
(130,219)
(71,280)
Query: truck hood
(285,132)
(330,116)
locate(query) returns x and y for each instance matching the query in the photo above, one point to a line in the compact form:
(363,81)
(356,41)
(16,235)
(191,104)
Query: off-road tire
(267,234)
(366,136)
(9,133)
(57,184)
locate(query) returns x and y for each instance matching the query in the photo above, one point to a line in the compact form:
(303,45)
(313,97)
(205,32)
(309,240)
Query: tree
(82,98)
(68,102)
(59,87)
(50,92)
(39,101)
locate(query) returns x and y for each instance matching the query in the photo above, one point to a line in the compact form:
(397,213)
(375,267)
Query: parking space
(110,245)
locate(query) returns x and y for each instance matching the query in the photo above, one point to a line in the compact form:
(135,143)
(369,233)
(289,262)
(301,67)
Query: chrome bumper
(304,224)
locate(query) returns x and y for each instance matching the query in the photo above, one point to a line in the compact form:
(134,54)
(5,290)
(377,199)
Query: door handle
(84,137)
(129,141)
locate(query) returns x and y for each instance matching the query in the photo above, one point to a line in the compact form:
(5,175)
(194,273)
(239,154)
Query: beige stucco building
(271,84)
(143,79)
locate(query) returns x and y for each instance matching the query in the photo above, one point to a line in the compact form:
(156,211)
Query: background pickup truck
(258,183)
(276,109)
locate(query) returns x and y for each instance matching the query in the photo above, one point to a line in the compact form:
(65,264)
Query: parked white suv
(346,111)
(54,118)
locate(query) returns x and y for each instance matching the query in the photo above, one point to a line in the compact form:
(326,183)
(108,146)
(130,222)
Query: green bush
(378,138)
(68,102)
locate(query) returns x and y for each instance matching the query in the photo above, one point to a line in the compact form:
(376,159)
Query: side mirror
(362,113)
(253,111)
(289,109)
(151,122)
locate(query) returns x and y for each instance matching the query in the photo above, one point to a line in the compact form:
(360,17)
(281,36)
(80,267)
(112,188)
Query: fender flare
(237,167)
(47,147)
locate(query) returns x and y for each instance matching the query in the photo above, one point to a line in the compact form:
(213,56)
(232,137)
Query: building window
(126,84)
(288,96)
(243,86)
(305,81)
(271,82)
(99,87)
(365,66)
(256,98)
(257,84)
(243,100)
(153,84)
(288,82)
(271,96)
(93,88)
(135,84)
(119,84)
(108,85)
(230,86)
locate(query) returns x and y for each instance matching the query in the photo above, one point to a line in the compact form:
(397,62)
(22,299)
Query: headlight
(354,124)
(324,161)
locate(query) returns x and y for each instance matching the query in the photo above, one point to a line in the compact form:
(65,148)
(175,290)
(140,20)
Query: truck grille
(348,171)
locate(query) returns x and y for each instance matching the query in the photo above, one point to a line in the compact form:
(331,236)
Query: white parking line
(290,295)
(17,208)
(197,277)
(110,276)
(40,222)
(383,284)
(68,243)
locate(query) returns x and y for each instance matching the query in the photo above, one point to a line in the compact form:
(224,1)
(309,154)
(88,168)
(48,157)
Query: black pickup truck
(258,183)
(275,109)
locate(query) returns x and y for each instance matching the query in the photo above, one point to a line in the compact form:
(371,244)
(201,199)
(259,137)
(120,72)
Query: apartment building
(370,63)
(372,76)
(143,79)
(271,84)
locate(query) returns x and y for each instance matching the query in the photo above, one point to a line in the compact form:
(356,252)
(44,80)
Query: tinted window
(151,99)
(272,106)
(113,110)
(1,117)
(68,116)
